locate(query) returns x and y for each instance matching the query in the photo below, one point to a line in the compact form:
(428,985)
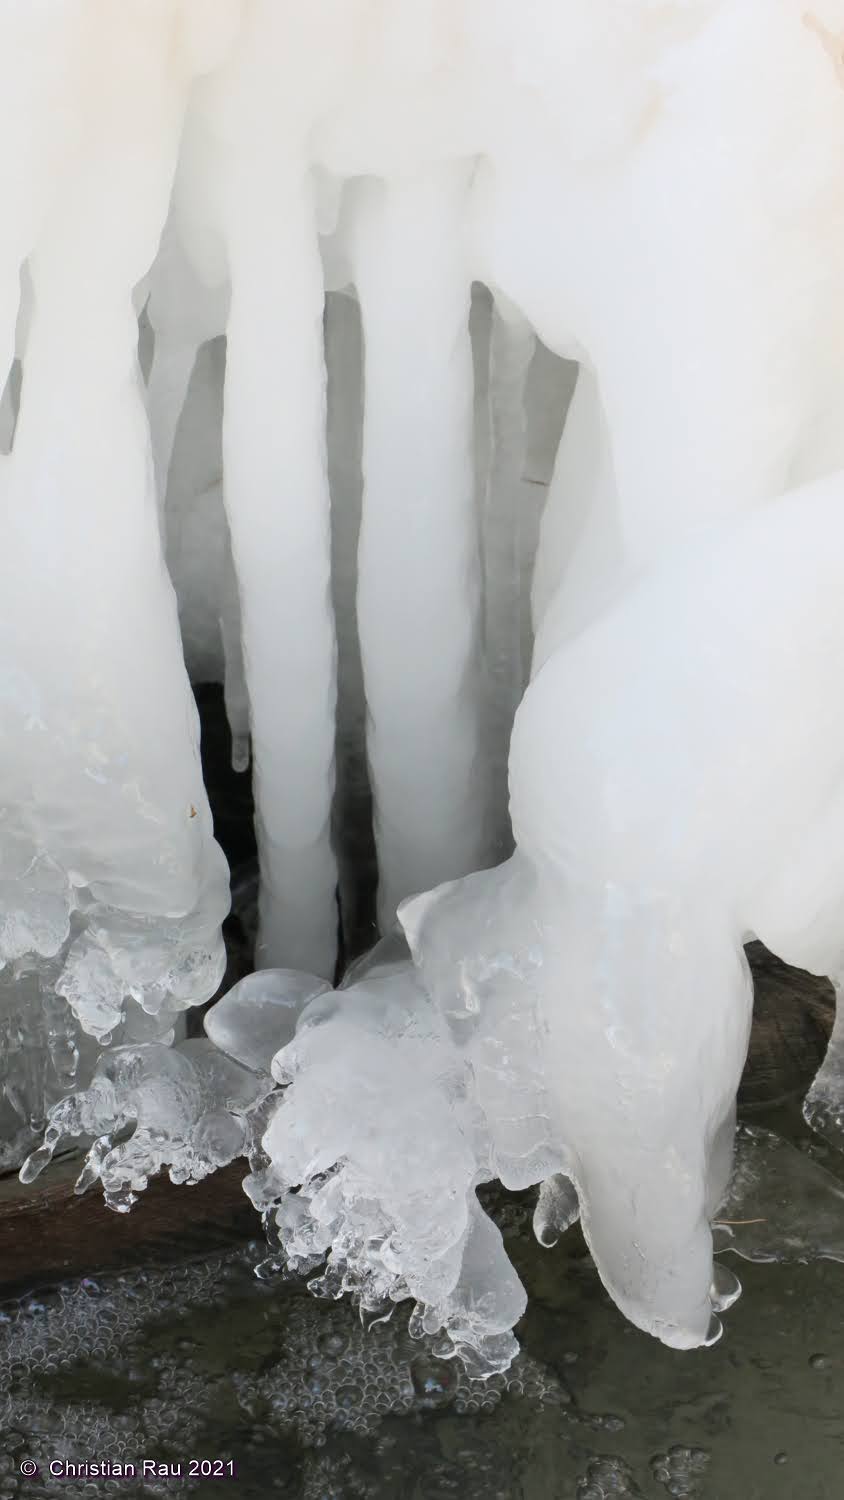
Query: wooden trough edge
(49,1234)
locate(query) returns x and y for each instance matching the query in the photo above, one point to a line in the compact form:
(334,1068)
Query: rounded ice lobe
(388,1214)
(258,1016)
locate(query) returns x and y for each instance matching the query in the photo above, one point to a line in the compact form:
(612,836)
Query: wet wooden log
(49,1234)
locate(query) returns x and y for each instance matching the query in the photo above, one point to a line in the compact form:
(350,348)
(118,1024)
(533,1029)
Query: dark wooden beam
(49,1234)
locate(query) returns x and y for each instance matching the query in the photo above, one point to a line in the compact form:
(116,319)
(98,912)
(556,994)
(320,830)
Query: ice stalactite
(418,549)
(276,493)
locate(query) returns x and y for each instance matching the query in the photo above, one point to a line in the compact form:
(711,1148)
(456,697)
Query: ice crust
(187,1108)
(299,203)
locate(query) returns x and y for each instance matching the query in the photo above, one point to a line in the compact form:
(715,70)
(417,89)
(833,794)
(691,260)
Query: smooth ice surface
(781,1205)
(259,1014)
(417,553)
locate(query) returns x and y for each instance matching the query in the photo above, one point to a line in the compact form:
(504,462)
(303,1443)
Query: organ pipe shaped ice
(417,554)
(276,485)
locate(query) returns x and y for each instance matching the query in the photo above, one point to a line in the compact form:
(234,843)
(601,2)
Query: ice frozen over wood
(411,371)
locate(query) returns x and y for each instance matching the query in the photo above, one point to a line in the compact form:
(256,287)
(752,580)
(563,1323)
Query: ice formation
(291,301)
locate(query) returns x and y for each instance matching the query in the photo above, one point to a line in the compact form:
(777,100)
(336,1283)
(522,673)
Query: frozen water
(111,883)
(781,1206)
(578,1017)
(824,1104)
(394,1215)
(188,1109)
(258,1016)
(418,559)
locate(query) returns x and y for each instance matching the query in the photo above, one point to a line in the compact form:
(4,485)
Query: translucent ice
(186,1107)
(258,1016)
(577,1018)
(823,1107)
(392,1215)
(418,557)
(111,882)
(781,1205)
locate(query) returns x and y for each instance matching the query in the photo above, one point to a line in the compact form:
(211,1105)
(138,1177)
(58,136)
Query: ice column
(418,583)
(276,490)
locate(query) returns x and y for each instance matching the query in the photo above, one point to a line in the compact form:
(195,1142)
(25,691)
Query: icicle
(276,494)
(418,585)
(557,1208)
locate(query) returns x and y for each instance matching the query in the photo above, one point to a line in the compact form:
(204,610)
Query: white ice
(112,886)
(577,1017)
